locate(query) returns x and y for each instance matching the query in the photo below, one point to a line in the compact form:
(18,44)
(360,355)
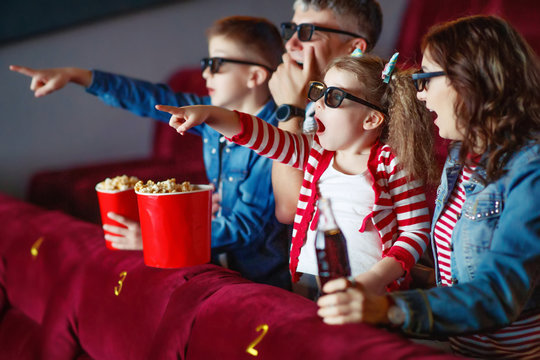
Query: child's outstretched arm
(224,121)
(246,130)
(46,81)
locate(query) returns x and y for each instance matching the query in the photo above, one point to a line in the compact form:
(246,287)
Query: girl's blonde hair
(408,127)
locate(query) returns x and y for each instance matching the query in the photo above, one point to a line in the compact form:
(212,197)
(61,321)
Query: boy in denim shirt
(243,52)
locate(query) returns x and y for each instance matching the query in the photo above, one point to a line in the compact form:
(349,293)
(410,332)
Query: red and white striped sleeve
(412,219)
(272,142)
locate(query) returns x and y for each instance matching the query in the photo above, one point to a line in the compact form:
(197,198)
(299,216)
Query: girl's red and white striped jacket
(400,212)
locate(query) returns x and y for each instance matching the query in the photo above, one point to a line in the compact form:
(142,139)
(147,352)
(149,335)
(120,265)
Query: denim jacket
(247,231)
(495,257)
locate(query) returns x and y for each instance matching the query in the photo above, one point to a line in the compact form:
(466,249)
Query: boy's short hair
(365,14)
(257,35)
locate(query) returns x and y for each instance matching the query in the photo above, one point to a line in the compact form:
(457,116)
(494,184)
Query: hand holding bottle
(351,303)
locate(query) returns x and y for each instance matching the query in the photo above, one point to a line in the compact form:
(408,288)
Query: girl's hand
(128,238)
(184,118)
(351,303)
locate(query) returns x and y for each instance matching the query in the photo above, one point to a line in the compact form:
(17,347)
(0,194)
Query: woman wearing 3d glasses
(363,127)
(482,80)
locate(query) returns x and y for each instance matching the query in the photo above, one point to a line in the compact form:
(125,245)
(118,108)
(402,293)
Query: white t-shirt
(351,198)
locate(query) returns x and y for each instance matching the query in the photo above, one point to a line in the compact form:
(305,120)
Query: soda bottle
(330,246)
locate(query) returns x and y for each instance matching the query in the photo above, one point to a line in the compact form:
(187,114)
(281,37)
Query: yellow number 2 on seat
(251,348)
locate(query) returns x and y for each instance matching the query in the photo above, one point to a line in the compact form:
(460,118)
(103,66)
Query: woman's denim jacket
(256,244)
(495,253)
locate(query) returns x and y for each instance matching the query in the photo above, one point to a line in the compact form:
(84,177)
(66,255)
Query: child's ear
(257,76)
(373,121)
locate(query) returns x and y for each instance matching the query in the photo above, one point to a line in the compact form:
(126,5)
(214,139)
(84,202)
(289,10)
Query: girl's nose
(319,104)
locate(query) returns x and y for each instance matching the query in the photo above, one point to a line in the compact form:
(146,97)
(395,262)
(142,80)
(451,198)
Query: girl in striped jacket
(364,125)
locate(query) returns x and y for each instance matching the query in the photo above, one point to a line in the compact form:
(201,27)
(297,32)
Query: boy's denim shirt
(256,244)
(495,257)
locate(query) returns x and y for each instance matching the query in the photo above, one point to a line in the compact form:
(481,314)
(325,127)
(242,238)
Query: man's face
(326,45)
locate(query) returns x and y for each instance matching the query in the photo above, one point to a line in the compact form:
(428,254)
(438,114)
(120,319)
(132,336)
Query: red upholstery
(69,299)
(72,190)
(293,330)
(19,336)
(422,14)
(52,259)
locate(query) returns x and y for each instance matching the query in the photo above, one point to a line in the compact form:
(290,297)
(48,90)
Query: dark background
(41,16)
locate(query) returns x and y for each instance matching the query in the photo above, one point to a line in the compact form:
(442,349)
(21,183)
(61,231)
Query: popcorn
(163,187)
(117,183)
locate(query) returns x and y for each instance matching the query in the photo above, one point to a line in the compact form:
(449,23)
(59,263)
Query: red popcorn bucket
(122,202)
(176,227)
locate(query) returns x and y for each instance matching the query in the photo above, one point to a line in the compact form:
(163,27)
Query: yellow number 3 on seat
(251,348)
(118,287)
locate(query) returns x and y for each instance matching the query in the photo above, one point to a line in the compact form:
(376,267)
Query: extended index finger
(173,110)
(310,65)
(22,70)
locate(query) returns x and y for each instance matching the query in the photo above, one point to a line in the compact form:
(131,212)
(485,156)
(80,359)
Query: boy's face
(228,87)
(327,45)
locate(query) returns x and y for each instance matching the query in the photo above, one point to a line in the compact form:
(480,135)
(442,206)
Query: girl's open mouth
(320,126)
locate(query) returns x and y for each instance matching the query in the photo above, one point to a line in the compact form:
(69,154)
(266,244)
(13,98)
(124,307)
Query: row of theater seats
(64,295)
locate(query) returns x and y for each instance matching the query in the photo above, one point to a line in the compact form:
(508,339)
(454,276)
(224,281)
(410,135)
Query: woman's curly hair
(496,76)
